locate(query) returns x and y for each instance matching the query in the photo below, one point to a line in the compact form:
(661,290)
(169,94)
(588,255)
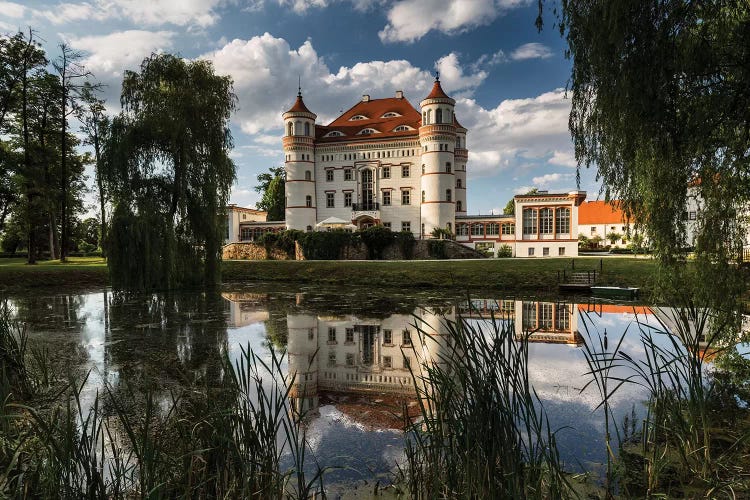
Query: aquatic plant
(482,431)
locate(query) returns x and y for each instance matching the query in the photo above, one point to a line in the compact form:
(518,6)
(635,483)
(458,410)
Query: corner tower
(461,155)
(299,165)
(437,138)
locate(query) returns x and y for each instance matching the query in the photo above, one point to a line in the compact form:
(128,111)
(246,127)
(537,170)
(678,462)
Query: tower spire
(299,86)
(437,76)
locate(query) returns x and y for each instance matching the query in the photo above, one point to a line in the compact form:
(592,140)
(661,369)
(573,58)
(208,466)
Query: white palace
(385,162)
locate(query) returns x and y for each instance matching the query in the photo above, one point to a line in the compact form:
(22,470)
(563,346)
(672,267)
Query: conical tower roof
(437,91)
(299,106)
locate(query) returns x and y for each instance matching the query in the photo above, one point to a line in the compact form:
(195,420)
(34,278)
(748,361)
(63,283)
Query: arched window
(459,206)
(308,175)
(448,116)
(307,128)
(545,221)
(439,116)
(458,143)
(423,168)
(297,128)
(289,128)
(423,197)
(448,167)
(424,117)
(459,183)
(309,229)
(562,220)
(308,201)
(448,195)
(429,116)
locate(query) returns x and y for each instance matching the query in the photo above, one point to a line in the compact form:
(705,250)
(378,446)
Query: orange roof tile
(614,309)
(437,91)
(601,212)
(373,110)
(299,106)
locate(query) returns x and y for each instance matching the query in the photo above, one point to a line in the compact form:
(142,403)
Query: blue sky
(508,79)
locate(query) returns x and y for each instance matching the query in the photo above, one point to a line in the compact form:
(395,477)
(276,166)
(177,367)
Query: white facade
(238,222)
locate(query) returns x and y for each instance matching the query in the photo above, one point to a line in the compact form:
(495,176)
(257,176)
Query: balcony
(365,207)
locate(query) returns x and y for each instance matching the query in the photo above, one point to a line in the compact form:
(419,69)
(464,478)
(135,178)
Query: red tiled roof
(437,91)
(299,106)
(455,122)
(373,109)
(600,212)
(614,309)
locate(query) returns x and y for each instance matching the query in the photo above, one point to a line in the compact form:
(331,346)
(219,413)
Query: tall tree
(660,100)
(510,207)
(71,72)
(169,173)
(271,185)
(95,126)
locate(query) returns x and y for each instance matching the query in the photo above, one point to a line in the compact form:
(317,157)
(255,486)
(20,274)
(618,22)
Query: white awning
(332,221)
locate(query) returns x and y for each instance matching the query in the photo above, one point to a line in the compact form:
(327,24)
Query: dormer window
(402,128)
(367,131)
(358,117)
(334,133)
(390,114)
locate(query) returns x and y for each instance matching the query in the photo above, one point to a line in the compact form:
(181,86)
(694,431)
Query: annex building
(386,162)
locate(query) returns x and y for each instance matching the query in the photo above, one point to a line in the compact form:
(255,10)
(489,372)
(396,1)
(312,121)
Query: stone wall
(251,251)
(421,251)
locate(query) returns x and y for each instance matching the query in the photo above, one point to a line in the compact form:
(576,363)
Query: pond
(351,350)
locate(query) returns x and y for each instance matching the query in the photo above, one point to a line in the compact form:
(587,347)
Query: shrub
(325,245)
(504,251)
(406,241)
(376,238)
(443,234)
(437,249)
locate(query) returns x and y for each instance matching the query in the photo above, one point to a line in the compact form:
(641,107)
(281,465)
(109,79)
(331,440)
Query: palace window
(331,334)
(459,183)
(245,234)
(308,201)
(387,337)
(358,117)
(387,362)
(386,172)
(329,200)
(350,335)
(423,197)
(448,167)
(329,175)
(390,114)
(350,359)
(307,128)
(402,128)
(347,174)
(310,334)
(462,229)
(308,175)
(367,131)
(545,251)
(477,229)
(406,338)
(562,222)
(545,316)
(561,251)
(406,226)
(289,129)
(448,195)
(509,229)
(459,206)
(386,197)
(406,197)
(531,252)
(562,317)
(528,315)
(347,199)
(529,221)
(332,358)
(387,225)
(493,229)
(545,221)
(439,116)
(405,171)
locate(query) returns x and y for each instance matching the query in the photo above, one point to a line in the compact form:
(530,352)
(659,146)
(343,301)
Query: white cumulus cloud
(531,51)
(12,9)
(199,13)
(548,179)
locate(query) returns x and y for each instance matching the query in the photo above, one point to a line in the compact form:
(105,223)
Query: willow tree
(168,170)
(661,107)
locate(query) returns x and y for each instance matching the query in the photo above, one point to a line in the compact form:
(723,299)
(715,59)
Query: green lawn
(510,275)
(77,273)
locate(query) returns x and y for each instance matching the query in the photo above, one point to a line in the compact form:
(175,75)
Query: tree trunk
(63,170)
(28,187)
(52,236)
(100,186)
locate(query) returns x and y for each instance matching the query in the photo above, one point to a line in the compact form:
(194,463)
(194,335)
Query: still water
(351,350)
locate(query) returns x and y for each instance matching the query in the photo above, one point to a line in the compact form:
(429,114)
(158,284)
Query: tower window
(406,226)
(459,183)
(459,206)
(448,167)
(439,116)
(297,128)
(307,128)
(429,116)
(308,201)
(289,128)
(448,195)
(423,197)
(308,175)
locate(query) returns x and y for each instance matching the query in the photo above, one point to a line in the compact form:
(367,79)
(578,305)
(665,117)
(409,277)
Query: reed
(482,431)
(206,441)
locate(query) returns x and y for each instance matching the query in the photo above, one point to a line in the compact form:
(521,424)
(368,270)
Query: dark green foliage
(377,239)
(405,241)
(287,239)
(442,234)
(436,249)
(169,173)
(660,105)
(504,251)
(272,187)
(326,245)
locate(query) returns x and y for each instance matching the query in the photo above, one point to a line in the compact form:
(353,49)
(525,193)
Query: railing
(361,207)
(577,277)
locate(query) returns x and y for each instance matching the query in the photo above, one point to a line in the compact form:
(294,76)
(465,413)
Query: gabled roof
(600,212)
(373,109)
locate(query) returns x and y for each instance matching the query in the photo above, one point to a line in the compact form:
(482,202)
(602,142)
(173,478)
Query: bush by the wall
(376,238)
(504,251)
(436,249)
(405,240)
(326,245)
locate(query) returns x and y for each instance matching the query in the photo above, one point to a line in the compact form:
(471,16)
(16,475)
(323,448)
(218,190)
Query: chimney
(365,97)
(399,94)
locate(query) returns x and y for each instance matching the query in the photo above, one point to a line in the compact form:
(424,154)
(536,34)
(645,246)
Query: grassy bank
(77,272)
(508,275)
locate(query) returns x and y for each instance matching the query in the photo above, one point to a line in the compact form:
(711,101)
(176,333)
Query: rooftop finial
(437,76)
(299,86)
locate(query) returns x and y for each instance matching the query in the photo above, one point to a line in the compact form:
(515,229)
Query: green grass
(509,275)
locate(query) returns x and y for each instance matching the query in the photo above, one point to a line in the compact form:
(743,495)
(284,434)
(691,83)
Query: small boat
(615,292)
